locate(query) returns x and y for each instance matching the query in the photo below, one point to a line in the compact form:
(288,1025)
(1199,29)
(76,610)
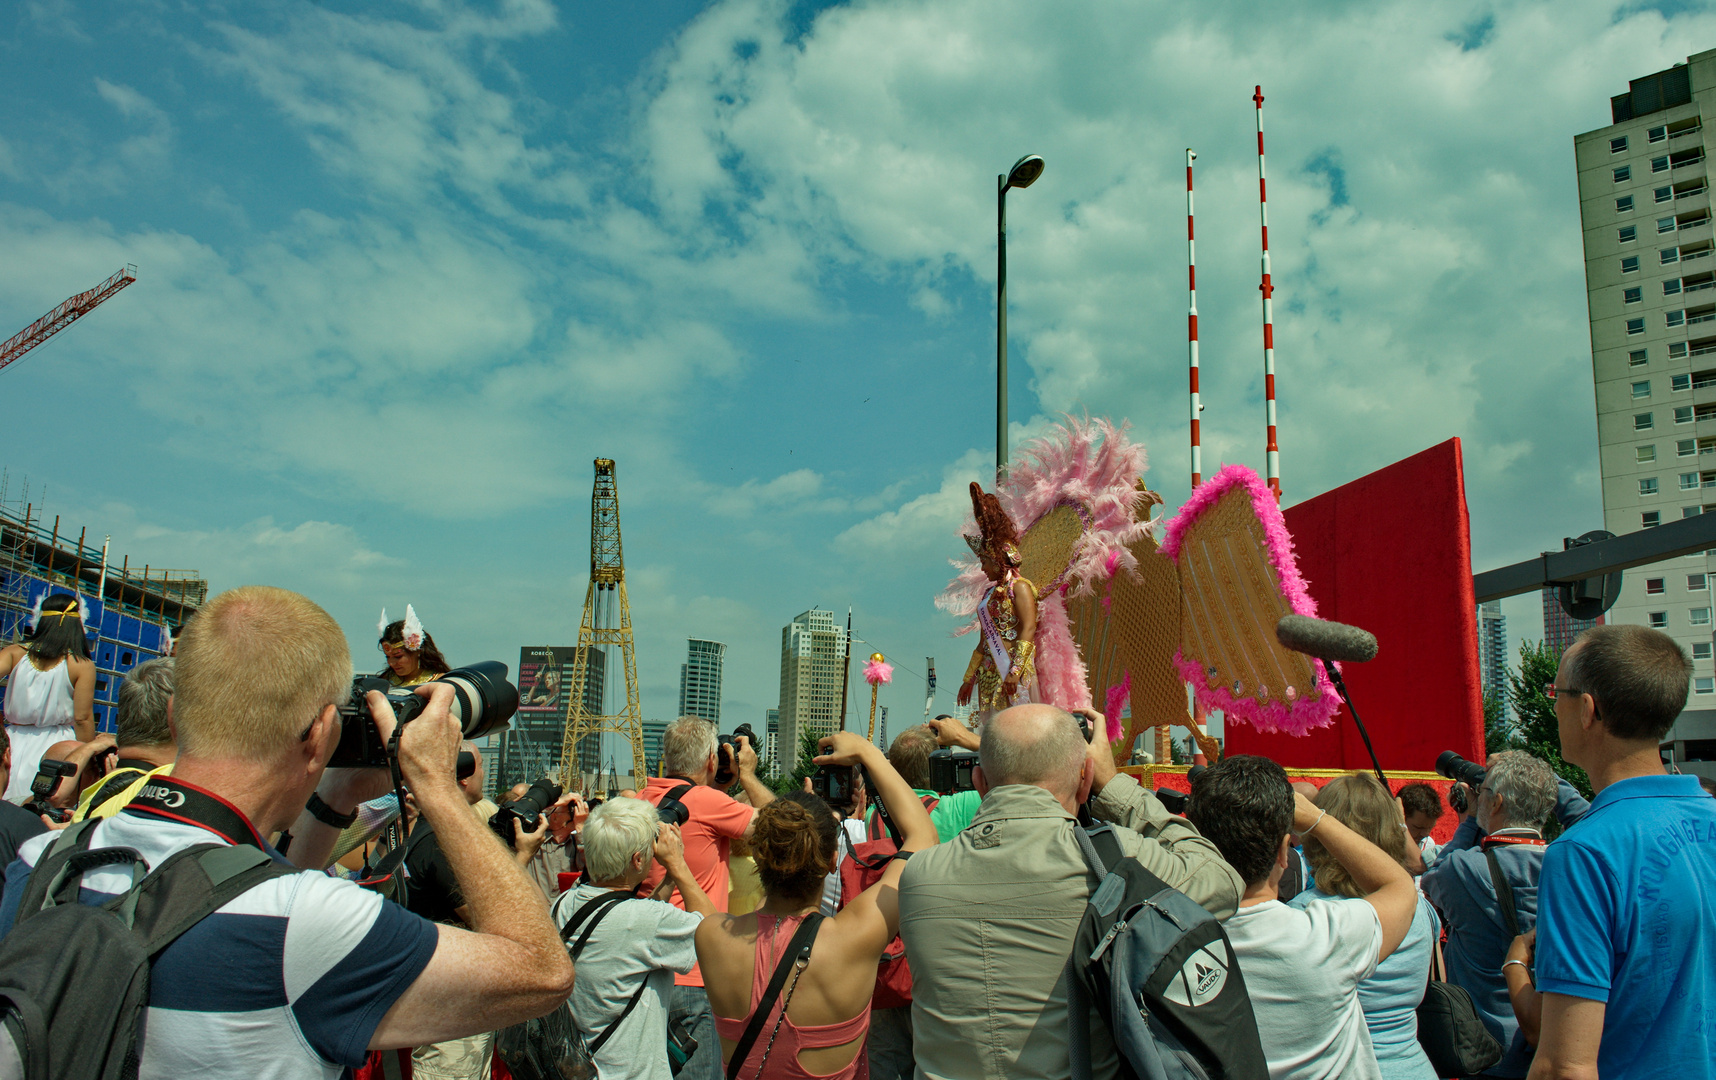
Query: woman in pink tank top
(817,1027)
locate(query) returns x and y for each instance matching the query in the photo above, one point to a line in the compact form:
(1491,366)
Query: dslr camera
(727,754)
(950,770)
(833,784)
(48,777)
(1457,768)
(525,811)
(483,700)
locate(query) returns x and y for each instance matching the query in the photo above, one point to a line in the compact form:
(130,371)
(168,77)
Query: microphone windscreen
(1324,639)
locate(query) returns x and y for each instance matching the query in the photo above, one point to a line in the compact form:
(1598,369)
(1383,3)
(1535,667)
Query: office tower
(1651,286)
(1492,652)
(700,680)
(813,667)
(652,732)
(1559,629)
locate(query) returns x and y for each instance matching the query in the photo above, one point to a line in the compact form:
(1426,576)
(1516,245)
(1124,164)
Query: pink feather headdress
(878,671)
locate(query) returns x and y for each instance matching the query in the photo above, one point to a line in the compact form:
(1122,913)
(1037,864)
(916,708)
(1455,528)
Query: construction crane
(63,316)
(607,621)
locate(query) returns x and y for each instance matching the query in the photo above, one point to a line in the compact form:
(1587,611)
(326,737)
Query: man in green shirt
(909,755)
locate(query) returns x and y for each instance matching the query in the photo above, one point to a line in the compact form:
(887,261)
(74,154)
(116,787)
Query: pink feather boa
(1305,714)
(877,672)
(1060,670)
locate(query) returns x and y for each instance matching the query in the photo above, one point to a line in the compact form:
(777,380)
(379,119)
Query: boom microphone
(1324,639)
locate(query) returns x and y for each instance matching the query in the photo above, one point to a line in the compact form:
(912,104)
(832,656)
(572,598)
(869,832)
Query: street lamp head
(1025,171)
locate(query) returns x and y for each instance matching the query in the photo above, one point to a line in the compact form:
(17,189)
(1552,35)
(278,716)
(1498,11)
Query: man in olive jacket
(988,917)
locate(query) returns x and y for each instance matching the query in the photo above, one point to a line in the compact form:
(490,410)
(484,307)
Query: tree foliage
(1499,731)
(1536,728)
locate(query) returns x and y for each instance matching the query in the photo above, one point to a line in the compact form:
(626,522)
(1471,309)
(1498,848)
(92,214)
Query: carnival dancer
(412,658)
(1003,668)
(50,696)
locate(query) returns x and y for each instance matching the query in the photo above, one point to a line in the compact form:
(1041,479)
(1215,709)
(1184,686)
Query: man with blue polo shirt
(1626,919)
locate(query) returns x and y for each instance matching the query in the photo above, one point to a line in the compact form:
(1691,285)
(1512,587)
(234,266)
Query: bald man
(988,917)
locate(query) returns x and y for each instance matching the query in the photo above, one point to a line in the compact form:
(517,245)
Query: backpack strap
(1504,892)
(797,947)
(1101,848)
(190,886)
(46,884)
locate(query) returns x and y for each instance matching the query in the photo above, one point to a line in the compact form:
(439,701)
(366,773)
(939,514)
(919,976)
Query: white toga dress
(38,714)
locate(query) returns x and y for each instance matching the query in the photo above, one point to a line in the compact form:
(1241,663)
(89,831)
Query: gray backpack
(81,971)
(1161,975)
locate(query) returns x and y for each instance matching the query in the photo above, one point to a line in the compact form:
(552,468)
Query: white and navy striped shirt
(286,982)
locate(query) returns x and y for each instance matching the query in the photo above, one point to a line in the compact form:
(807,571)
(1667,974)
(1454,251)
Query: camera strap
(175,800)
(1504,891)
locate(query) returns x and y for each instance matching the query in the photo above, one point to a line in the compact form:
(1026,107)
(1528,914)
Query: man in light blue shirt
(1626,923)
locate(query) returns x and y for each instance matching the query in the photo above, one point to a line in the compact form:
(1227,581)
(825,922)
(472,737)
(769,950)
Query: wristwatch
(327,815)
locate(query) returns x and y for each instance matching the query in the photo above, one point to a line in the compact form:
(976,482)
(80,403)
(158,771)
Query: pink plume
(1060,670)
(877,672)
(1306,713)
(1117,696)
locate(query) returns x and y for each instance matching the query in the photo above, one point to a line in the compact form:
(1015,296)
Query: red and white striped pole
(1192,324)
(1272,452)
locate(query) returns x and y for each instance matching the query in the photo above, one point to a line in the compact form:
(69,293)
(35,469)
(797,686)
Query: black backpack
(81,971)
(1162,976)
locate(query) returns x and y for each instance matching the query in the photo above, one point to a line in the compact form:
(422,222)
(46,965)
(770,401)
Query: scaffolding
(132,611)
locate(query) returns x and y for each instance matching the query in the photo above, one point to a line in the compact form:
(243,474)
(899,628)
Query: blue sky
(406,268)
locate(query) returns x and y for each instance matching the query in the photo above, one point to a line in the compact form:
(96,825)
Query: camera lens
(1455,767)
(483,699)
(673,812)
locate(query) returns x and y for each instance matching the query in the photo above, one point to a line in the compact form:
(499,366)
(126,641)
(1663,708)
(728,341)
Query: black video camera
(483,700)
(48,777)
(727,754)
(1457,768)
(950,770)
(525,811)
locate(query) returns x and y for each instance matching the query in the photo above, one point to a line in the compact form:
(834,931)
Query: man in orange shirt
(714,819)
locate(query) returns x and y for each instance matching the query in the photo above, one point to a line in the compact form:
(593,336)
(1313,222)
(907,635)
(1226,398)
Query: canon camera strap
(175,800)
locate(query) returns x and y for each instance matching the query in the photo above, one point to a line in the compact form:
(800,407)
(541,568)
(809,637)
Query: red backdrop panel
(1391,552)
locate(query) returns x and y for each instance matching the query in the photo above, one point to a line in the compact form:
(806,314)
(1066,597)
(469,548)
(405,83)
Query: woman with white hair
(626,949)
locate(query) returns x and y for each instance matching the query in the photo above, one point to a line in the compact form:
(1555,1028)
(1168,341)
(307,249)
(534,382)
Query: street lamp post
(1023,174)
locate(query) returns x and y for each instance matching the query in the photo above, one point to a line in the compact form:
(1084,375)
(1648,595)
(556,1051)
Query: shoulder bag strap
(1504,892)
(602,1039)
(678,793)
(800,943)
(597,907)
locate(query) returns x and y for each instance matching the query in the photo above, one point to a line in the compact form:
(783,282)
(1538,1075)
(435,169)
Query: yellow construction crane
(607,621)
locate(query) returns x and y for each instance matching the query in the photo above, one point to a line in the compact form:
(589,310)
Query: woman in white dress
(50,696)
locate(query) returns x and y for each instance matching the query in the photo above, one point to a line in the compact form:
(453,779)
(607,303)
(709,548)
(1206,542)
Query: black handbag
(1452,1034)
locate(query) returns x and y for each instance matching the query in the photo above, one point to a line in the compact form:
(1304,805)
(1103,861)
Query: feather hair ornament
(35,618)
(413,630)
(381,627)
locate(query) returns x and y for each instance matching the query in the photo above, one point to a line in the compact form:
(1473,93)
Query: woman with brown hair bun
(818,1024)
(1391,995)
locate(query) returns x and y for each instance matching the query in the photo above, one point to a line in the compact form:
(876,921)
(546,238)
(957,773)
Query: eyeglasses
(1554,691)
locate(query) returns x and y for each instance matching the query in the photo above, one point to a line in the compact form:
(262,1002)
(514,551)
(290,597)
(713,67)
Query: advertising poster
(544,678)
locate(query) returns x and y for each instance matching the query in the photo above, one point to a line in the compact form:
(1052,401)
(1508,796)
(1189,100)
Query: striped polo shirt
(288,981)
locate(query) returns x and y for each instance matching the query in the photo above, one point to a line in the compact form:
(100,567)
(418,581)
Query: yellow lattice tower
(607,621)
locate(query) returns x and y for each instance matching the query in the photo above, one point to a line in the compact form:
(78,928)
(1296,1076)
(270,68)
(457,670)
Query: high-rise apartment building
(1651,284)
(813,668)
(1492,652)
(652,732)
(700,680)
(1560,628)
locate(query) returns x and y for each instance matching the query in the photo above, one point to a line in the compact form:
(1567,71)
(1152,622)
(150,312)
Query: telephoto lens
(1457,768)
(483,700)
(526,811)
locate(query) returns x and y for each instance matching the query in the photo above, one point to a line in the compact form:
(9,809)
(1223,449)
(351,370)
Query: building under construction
(133,611)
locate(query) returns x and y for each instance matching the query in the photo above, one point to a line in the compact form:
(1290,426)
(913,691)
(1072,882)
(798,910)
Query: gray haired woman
(626,949)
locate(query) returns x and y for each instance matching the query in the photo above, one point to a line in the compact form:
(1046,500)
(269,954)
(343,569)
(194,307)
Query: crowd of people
(700,929)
